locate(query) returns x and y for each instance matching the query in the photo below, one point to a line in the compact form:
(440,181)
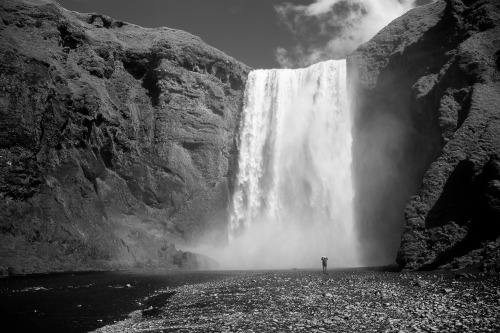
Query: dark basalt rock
(428,116)
(115,141)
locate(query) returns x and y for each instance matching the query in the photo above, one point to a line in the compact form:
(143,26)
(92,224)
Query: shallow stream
(81,302)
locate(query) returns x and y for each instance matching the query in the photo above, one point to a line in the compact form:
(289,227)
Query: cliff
(116,141)
(427,136)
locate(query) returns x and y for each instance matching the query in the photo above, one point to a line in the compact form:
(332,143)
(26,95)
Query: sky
(262,33)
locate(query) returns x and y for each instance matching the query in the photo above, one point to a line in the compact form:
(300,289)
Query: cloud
(331,29)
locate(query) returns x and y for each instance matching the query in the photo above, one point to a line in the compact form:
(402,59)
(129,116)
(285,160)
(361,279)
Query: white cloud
(283,58)
(331,29)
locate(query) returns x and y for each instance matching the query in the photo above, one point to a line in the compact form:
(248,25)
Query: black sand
(340,301)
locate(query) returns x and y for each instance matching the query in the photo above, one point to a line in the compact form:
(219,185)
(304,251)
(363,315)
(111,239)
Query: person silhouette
(324,260)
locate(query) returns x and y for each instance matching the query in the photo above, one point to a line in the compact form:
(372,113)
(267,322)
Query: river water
(82,302)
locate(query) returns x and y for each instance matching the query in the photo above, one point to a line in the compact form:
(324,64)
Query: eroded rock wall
(116,141)
(427,136)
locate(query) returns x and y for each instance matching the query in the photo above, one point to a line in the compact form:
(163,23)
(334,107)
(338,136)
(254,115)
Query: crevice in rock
(470,201)
(150,81)
(97,19)
(68,38)
(136,65)
(192,145)
(236,83)
(107,156)
(143,67)
(89,123)
(454,204)
(172,173)
(221,74)
(48,108)
(128,248)
(216,109)
(64,126)
(464,98)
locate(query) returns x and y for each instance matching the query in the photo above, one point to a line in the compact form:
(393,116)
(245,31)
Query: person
(324,260)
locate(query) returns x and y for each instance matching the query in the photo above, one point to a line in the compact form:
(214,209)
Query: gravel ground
(309,301)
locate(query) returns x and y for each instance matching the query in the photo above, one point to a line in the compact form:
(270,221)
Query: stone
(426,136)
(112,149)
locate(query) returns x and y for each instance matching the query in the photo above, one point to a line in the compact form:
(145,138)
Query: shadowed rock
(427,117)
(112,147)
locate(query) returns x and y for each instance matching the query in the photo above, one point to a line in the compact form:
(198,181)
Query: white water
(293,201)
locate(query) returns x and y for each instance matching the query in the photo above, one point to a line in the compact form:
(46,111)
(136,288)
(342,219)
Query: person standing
(324,260)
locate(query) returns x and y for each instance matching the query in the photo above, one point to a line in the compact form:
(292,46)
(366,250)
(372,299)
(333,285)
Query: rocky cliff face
(116,141)
(427,125)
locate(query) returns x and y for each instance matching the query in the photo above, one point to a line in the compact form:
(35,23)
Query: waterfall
(293,199)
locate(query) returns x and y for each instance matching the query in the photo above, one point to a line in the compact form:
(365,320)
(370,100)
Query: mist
(293,200)
(309,185)
(332,29)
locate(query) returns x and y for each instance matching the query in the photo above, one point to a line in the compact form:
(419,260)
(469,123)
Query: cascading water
(293,201)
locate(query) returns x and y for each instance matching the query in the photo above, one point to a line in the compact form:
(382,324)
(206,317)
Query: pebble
(365,301)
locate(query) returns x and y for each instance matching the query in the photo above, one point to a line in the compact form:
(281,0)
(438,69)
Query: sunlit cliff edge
(116,141)
(119,142)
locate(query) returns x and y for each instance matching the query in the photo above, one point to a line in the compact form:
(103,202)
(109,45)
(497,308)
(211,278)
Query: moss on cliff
(428,88)
(116,140)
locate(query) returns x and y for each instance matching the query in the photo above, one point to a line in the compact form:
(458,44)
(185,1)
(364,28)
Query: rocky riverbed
(309,301)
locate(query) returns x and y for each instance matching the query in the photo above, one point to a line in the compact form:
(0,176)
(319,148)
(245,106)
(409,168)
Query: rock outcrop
(116,141)
(427,125)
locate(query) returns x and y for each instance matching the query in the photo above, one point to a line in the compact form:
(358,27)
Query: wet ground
(309,301)
(82,302)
